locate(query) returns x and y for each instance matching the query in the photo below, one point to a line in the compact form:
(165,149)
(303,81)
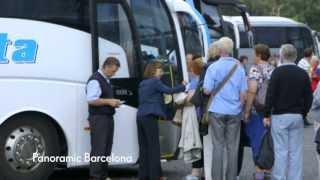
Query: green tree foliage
(305,11)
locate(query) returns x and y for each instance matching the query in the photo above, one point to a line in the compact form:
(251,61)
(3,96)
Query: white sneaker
(108,178)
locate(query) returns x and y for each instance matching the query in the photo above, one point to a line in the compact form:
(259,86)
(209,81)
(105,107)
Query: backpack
(260,99)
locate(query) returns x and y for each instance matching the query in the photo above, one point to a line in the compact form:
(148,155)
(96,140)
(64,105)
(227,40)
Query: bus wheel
(22,139)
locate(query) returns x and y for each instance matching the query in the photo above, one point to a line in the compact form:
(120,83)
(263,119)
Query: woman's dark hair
(151,69)
(308,52)
(262,50)
(242,58)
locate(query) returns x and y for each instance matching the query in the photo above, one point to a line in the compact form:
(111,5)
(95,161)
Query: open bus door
(159,42)
(145,32)
(114,33)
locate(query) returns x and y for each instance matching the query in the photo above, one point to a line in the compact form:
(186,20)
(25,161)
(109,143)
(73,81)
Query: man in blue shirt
(101,110)
(225,109)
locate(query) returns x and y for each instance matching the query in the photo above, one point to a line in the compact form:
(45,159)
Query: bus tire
(20,138)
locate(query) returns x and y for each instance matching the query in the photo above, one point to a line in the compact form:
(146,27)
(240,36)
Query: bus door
(159,43)
(114,35)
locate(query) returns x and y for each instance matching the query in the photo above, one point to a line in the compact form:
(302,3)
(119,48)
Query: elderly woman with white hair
(213,56)
(225,108)
(213,52)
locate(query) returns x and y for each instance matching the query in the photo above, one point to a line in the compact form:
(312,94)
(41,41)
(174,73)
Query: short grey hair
(226,44)
(288,53)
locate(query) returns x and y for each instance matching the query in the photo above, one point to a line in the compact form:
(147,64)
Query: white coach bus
(273,31)
(48,50)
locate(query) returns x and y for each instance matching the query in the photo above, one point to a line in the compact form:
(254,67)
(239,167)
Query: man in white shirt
(305,63)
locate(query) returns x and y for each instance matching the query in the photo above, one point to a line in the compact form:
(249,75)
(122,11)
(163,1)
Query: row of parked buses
(247,30)
(49,48)
(273,31)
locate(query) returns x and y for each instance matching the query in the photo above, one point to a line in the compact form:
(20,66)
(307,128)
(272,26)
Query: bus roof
(265,21)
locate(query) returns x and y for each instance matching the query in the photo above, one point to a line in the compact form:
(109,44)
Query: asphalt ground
(177,170)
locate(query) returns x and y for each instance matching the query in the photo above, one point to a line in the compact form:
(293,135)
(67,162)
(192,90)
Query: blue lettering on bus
(24,50)
(3,48)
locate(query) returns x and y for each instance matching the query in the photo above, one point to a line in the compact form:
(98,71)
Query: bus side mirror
(250,39)
(242,7)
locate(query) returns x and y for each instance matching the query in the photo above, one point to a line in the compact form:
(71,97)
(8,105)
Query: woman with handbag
(200,100)
(151,108)
(258,76)
(196,68)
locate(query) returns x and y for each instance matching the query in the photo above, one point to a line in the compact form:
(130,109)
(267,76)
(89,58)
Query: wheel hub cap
(20,146)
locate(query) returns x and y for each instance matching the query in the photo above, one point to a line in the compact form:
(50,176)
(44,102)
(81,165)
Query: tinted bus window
(191,35)
(212,12)
(274,37)
(71,13)
(229,31)
(244,41)
(113,25)
(157,35)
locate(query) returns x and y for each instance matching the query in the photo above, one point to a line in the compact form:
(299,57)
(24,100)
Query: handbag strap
(221,84)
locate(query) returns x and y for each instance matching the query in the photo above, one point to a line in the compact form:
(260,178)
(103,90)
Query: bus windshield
(191,34)
(157,34)
(212,10)
(213,19)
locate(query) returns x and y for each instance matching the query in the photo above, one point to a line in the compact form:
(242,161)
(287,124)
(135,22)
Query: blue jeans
(287,134)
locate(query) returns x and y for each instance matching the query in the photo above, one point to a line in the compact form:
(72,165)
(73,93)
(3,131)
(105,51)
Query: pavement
(177,170)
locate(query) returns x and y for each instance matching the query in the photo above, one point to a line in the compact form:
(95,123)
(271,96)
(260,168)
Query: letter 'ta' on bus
(22,50)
